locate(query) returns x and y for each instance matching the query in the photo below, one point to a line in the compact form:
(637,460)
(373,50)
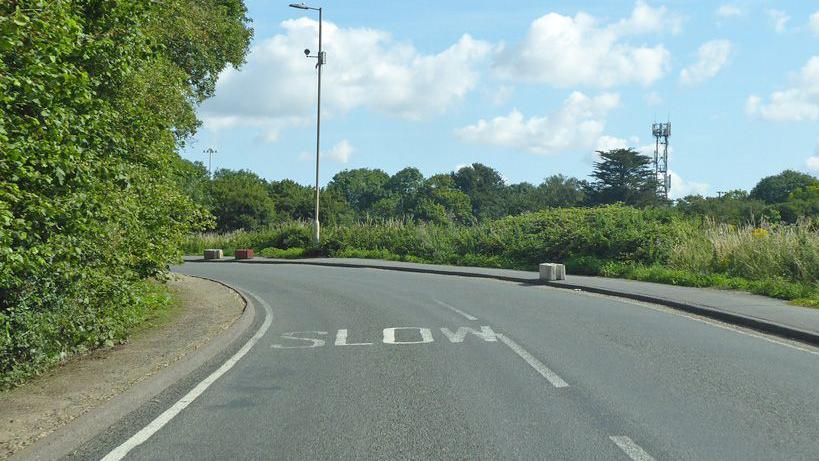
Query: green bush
(95,98)
(289,253)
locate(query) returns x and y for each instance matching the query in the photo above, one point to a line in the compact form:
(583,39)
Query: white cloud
(653,98)
(500,95)
(798,102)
(341,152)
(813,163)
(813,23)
(729,11)
(778,18)
(711,58)
(365,68)
(577,124)
(680,187)
(568,51)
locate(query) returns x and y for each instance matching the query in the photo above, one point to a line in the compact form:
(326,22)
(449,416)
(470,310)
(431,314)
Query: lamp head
(306,52)
(300,6)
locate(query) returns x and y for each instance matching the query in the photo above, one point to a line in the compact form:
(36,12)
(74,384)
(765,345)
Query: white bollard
(552,271)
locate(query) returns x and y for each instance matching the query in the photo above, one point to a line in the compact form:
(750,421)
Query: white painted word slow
(393,335)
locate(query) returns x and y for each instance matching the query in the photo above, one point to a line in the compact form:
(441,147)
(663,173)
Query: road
(371,364)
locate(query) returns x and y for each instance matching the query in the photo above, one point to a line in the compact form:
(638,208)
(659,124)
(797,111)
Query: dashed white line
(630,448)
(455,309)
(544,371)
(146,432)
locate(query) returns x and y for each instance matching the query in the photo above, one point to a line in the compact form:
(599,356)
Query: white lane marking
(146,432)
(547,373)
(707,321)
(426,335)
(630,448)
(455,309)
(341,339)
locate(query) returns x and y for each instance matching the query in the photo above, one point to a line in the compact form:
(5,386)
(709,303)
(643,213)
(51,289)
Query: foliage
(240,200)
(623,175)
(289,253)
(94,100)
(777,188)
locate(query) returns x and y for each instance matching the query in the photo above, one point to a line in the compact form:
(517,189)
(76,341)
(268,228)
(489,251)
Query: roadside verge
(760,313)
(49,417)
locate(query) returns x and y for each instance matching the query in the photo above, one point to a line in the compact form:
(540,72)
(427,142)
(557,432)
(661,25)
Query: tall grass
(657,245)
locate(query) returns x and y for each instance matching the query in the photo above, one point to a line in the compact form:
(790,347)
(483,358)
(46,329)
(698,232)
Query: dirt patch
(35,409)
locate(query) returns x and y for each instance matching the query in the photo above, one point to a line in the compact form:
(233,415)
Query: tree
(360,187)
(483,185)
(561,191)
(95,99)
(623,175)
(777,188)
(241,201)
(292,199)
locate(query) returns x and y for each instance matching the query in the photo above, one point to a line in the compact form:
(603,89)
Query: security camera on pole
(322,59)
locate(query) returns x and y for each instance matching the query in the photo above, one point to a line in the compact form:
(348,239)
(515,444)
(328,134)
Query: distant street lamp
(321,60)
(210,151)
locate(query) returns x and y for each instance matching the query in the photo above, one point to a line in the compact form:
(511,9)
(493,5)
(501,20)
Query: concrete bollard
(244,253)
(551,271)
(214,253)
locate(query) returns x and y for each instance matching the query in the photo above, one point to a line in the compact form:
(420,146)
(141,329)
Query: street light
(321,60)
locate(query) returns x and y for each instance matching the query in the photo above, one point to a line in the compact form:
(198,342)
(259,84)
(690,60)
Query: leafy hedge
(95,97)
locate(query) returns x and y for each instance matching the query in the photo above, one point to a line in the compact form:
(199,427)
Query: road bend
(374,364)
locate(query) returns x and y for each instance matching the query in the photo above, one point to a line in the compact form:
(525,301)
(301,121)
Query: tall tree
(360,187)
(241,201)
(623,175)
(777,188)
(483,185)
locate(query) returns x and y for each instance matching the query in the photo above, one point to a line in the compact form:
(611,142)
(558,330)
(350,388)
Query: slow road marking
(630,448)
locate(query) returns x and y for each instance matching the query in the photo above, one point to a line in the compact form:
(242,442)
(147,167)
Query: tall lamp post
(321,60)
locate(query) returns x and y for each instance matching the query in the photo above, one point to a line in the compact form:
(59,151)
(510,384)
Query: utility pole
(321,60)
(210,151)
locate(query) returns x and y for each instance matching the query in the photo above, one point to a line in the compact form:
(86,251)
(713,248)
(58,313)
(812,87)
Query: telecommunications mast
(661,132)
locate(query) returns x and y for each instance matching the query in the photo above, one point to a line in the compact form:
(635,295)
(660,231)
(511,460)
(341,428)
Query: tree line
(477,193)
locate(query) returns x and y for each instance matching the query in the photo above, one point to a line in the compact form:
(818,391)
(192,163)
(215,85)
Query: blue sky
(530,89)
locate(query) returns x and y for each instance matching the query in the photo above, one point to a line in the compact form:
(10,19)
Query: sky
(530,88)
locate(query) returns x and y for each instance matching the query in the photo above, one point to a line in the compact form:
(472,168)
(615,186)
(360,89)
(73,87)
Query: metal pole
(316,226)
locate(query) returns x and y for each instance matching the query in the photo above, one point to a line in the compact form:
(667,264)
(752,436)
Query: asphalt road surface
(372,364)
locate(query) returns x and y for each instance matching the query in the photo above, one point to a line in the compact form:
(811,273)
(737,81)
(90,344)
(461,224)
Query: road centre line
(544,371)
(455,309)
(631,449)
(146,432)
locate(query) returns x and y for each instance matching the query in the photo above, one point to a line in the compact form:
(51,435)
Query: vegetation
(95,98)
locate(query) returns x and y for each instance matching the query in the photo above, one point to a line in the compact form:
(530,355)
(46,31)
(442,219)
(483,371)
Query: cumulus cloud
(577,124)
(728,10)
(366,68)
(568,51)
(341,152)
(798,102)
(653,98)
(778,19)
(711,58)
(680,187)
(813,23)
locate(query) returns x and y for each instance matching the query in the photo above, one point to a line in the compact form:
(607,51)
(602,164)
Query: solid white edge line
(544,371)
(146,432)
(455,309)
(630,448)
